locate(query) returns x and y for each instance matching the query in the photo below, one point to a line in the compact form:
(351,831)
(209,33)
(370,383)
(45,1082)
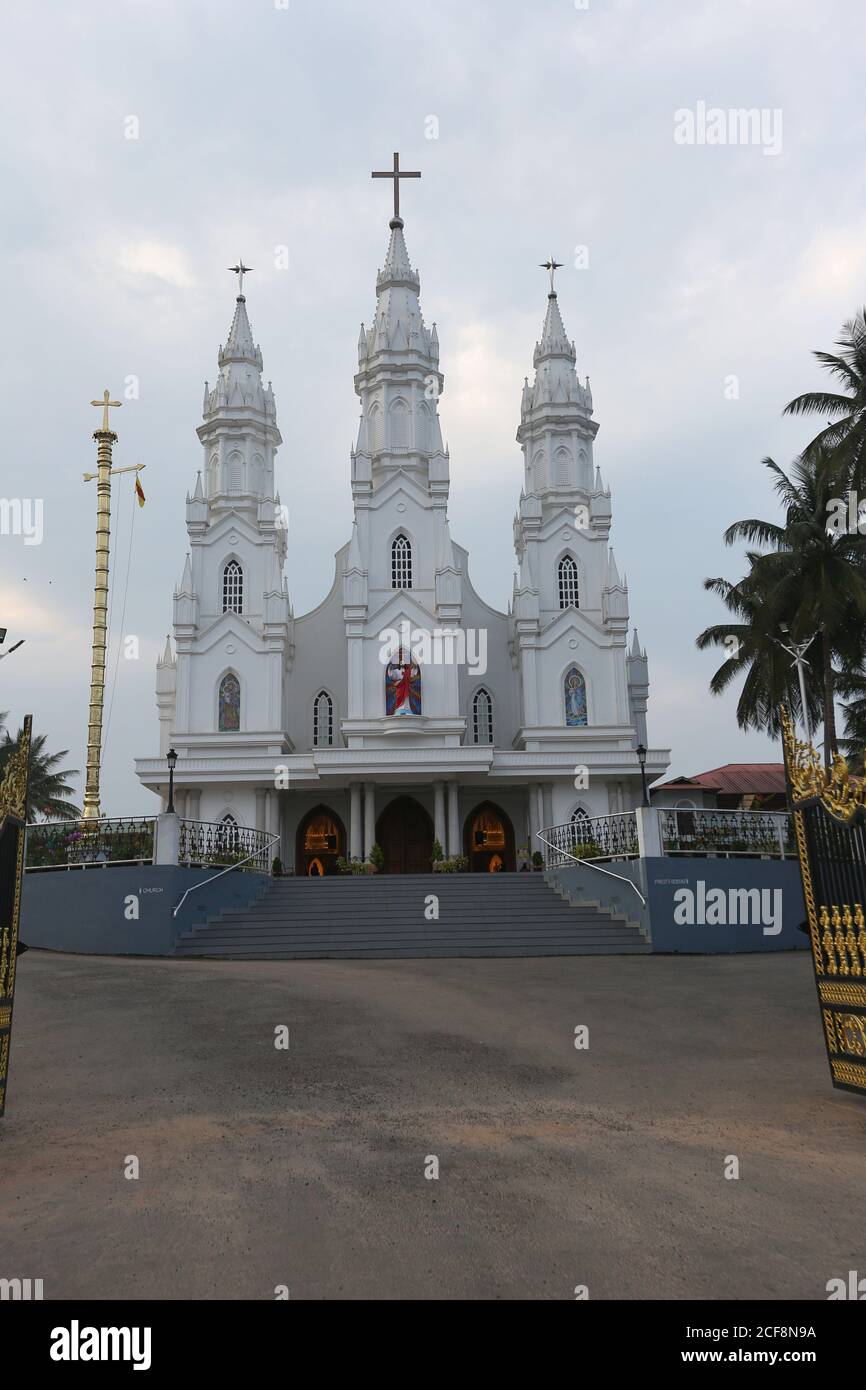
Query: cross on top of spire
(240,271)
(551,266)
(396,174)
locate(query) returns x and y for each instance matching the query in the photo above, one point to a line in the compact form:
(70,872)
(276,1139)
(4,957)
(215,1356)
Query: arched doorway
(488,839)
(405,832)
(320,842)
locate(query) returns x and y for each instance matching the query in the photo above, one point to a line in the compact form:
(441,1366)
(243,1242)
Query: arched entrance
(405,832)
(320,842)
(488,839)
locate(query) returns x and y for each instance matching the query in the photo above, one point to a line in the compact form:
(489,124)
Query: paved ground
(558,1167)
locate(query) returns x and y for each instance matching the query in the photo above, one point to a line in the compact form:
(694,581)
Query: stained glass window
(575,699)
(230,704)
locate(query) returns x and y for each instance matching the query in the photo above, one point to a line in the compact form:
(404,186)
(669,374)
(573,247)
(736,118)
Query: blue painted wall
(85,909)
(781,905)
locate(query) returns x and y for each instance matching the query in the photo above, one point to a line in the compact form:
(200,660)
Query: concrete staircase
(383,916)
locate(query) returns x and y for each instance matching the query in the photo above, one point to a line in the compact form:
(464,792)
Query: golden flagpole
(105,438)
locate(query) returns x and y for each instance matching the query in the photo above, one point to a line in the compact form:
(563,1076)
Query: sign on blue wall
(702,905)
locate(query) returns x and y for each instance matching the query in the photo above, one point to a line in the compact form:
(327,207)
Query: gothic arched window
(233,588)
(562,467)
(229,704)
(323,720)
(228,832)
(401,563)
(482,717)
(236,473)
(575,699)
(399,425)
(569,596)
(580,817)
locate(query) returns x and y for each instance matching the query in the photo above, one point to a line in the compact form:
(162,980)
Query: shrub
(377,858)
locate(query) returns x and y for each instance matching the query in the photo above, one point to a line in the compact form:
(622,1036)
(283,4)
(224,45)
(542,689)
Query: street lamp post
(171,759)
(641,757)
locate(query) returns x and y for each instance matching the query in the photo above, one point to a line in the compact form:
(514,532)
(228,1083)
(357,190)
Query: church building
(403,708)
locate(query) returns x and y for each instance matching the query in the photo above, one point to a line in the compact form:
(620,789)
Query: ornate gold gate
(13,818)
(830,824)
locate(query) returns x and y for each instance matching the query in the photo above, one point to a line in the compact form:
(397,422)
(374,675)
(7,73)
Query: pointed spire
(186,581)
(166,659)
(397,270)
(239,346)
(198,495)
(635,646)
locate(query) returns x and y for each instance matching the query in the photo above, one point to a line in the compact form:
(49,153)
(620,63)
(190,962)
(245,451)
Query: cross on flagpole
(107,405)
(397,174)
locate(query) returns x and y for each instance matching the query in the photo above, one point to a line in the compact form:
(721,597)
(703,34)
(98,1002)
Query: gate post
(649,839)
(167,838)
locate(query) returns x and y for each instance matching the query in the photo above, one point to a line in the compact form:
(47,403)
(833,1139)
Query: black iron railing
(591,837)
(87,844)
(768,834)
(206,843)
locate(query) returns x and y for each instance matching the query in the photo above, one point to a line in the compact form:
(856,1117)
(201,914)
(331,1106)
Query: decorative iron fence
(591,837)
(206,843)
(767,834)
(87,844)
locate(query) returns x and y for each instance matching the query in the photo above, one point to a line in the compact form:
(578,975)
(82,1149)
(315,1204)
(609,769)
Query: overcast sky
(258,126)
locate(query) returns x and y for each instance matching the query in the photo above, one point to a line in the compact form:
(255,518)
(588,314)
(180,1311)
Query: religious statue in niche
(575,699)
(402,685)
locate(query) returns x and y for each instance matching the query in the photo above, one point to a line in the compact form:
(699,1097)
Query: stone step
(380,916)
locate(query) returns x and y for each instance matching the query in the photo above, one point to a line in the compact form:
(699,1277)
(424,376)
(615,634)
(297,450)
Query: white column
(193,804)
(534,821)
(439,813)
(355,828)
(547,803)
(261,823)
(369,817)
(454,845)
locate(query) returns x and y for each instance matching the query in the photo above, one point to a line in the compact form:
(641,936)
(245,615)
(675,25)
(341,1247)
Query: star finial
(551,266)
(240,271)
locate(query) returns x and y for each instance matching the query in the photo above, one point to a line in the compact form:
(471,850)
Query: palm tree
(753,647)
(844,436)
(813,579)
(46,784)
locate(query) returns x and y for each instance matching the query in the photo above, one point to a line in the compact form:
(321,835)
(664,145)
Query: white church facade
(403,708)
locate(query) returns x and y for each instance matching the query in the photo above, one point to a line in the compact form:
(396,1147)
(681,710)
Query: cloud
(159,261)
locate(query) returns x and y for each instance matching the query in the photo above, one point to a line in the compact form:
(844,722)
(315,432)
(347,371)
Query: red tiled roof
(736,779)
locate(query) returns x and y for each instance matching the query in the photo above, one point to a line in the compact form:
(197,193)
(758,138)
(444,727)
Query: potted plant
(376,861)
(277,867)
(437,857)
(538,861)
